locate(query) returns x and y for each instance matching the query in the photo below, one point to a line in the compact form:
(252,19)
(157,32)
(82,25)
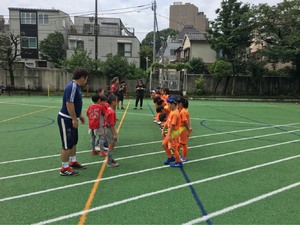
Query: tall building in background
(187,15)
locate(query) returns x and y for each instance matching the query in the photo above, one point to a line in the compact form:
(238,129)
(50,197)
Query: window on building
(29,42)
(72,44)
(43,19)
(78,44)
(28,18)
(124,49)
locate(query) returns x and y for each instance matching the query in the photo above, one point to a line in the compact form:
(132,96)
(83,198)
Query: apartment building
(35,25)
(113,38)
(187,14)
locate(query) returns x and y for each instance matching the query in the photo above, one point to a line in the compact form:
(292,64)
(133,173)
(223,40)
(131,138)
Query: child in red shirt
(112,135)
(93,113)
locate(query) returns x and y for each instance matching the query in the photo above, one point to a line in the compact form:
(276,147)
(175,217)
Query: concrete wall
(39,79)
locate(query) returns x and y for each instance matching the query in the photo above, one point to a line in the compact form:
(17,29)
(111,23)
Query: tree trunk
(226,85)
(233,85)
(216,87)
(12,78)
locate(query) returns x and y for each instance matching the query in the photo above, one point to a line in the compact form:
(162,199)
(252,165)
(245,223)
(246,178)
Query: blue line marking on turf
(31,128)
(151,109)
(197,199)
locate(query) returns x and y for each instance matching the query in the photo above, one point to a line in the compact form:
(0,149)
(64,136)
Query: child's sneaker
(77,165)
(172,159)
(177,164)
(112,164)
(68,172)
(94,152)
(102,153)
(183,159)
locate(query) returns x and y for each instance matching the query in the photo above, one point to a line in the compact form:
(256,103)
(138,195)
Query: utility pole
(96,29)
(154,31)
(154,41)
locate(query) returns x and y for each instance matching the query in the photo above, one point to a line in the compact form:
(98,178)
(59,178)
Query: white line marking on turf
(161,167)
(154,142)
(147,154)
(46,106)
(242,204)
(171,189)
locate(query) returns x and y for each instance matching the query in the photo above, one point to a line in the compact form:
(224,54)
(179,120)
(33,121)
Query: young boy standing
(170,141)
(112,136)
(94,113)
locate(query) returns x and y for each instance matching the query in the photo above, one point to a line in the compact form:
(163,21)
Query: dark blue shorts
(68,134)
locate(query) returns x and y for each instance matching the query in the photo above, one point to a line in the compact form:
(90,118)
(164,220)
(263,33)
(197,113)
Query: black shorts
(121,97)
(68,134)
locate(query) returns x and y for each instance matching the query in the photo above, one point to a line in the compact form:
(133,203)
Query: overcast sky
(134,13)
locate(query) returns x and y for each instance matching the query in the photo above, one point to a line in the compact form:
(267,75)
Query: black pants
(139,98)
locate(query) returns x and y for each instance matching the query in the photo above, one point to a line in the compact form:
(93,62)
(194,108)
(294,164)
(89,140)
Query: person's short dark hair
(180,99)
(156,98)
(103,98)
(185,104)
(80,72)
(184,101)
(122,82)
(159,108)
(111,98)
(162,117)
(95,98)
(166,90)
(159,101)
(98,90)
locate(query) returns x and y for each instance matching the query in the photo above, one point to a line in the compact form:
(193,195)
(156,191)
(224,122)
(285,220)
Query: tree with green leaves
(278,29)
(82,59)
(10,53)
(231,33)
(146,53)
(135,73)
(197,66)
(220,69)
(115,66)
(51,48)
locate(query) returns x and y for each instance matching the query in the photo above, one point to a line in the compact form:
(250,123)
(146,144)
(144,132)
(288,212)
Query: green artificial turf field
(243,167)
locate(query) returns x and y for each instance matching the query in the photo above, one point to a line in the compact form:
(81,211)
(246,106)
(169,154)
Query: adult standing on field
(68,122)
(140,90)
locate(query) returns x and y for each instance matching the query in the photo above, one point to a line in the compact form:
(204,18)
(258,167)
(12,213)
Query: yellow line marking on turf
(27,114)
(99,177)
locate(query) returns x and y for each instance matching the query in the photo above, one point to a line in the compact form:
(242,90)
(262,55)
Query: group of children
(173,117)
(102,120)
